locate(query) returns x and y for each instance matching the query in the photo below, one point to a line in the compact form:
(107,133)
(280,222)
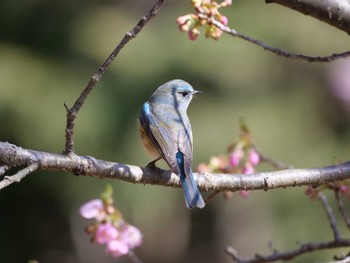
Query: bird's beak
(196,92)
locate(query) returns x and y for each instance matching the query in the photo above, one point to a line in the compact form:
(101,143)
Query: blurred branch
(277,51)
(330,215)
(13,156)
(288,255)
(133,257)
(337,242)
(343,260)
(341,208)
(211,196)
(275,163)
(72,112)
(332,12)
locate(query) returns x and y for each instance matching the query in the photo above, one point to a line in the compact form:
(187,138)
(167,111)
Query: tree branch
(13,156)
(333,12)
(17,177)
(277,51)
(72,112)
(288,255)
(302,249)
(343,260)
(341,208)
(330,215)
(275,163)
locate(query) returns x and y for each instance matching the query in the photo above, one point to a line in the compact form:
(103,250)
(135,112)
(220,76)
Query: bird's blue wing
(193,196)
(162,137)
(185,146)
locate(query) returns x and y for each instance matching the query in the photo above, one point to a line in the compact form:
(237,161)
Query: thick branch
(333,12)
(72,112)
(84,165)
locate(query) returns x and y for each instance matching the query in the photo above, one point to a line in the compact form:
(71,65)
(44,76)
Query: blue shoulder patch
(146,109)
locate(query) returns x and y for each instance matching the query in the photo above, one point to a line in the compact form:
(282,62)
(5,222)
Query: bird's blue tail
(192,195)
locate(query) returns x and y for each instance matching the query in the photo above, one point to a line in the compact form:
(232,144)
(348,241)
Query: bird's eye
(184,93)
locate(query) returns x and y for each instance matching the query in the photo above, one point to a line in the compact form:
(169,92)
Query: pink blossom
(248,169)
(193,33)
(106,233)
(215,162)
(244,193)
(344,189)
(92,209)
(184,22)
(185,26)
(254,157)
(236,157)
(131,236)
(182,19)
(224,20)
(215,33)
(203,168)
(117,248)
(196,3)
(309,191)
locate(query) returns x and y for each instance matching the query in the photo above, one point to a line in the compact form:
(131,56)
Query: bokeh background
(297,112)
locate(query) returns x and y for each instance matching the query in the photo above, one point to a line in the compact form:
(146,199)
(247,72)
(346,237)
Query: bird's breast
(148,145)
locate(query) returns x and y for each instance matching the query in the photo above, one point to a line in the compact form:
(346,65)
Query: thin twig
(72,112)
(330,215)
(272,246)
(17,177)
(211,196)
(343,260)
(277,51)
(134,258)
(233,253)
(275,163)
(341,208)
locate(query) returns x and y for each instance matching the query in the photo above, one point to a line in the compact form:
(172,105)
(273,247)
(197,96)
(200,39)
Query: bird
(166,133)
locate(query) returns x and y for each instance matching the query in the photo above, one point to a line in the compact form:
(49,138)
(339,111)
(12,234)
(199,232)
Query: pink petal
(224,20)
(117,248)
(244,193)
(106,233)
(248,169)
(203,168)
(254,157)
(91,209)
(236,157)
(131,236)
(193,34)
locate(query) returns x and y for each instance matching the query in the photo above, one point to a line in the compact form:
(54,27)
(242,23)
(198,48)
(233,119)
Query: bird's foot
(153,163)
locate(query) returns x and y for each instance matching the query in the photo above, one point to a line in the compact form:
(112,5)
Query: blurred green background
(50,49)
